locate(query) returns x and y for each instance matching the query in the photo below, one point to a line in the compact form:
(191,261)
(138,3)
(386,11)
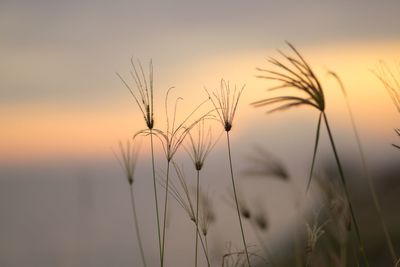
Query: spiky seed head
(200,144)
(142,90)
(225,103)
(228,126)
(127,158)
(150,119)
(198,165)
(295,74)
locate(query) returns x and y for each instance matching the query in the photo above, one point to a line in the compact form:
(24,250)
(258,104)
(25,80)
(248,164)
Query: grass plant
(391,81)
(181,193)
(225,102)
(142,93)
(296,74)
(366,171)
(201,143)
(127,159)
(171,140)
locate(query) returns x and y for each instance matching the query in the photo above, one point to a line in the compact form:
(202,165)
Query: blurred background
(64,200)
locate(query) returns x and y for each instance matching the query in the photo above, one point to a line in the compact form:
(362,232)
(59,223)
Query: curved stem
(137,227)
(371,185)
(345,188)
(197,214)
(165,215)
(236,199)
(155,193)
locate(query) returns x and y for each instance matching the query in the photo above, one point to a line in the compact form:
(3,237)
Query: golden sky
(59,94)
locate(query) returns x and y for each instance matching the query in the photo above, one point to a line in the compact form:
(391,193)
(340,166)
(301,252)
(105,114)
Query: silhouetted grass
(225,102)
(297,74)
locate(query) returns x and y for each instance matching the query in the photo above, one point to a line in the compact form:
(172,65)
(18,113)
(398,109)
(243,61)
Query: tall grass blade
(366,171)
(315,151)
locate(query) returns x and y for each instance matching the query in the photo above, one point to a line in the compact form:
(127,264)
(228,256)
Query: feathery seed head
(144,90)
(207,214)
(127,159)
(390,80)
(314,233)
(179,190)
(263,164)
(174,135)
(295,74)
(201,144)
(225,103)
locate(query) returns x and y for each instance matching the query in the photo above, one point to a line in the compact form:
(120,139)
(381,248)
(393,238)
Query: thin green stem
(137,227)
(371,185)
(155,193)
(165,215)
(197,215)
(236,199)
(344,183)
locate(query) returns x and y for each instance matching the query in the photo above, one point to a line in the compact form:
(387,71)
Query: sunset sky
(60,95)
(62,104)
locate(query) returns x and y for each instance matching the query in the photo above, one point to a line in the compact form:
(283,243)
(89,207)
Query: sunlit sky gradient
(59,93)
(61,99)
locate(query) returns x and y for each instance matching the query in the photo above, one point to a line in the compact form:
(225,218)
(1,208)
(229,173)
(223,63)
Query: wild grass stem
(144,99)
(366,171)
(155,194)
(165,214)
(127,159)
(236,199)
(197,213)
(137,226)
(346,190)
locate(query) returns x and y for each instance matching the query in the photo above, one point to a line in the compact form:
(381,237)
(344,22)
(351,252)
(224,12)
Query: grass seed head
(225,102)
(294,73)
(207,214)
(262,164)
(142,90)
(175,133)
(127,158)
(200,144)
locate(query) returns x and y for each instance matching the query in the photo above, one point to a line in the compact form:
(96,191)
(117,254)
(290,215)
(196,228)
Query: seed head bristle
(390,80)
(144,89)
(200,144)
(174,135)
(207,214)
(295,74)
(127,158)
(263,164)
(179,190)
(225,103)
(314,233)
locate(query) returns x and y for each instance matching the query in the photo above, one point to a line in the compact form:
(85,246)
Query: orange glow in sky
(34,130)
